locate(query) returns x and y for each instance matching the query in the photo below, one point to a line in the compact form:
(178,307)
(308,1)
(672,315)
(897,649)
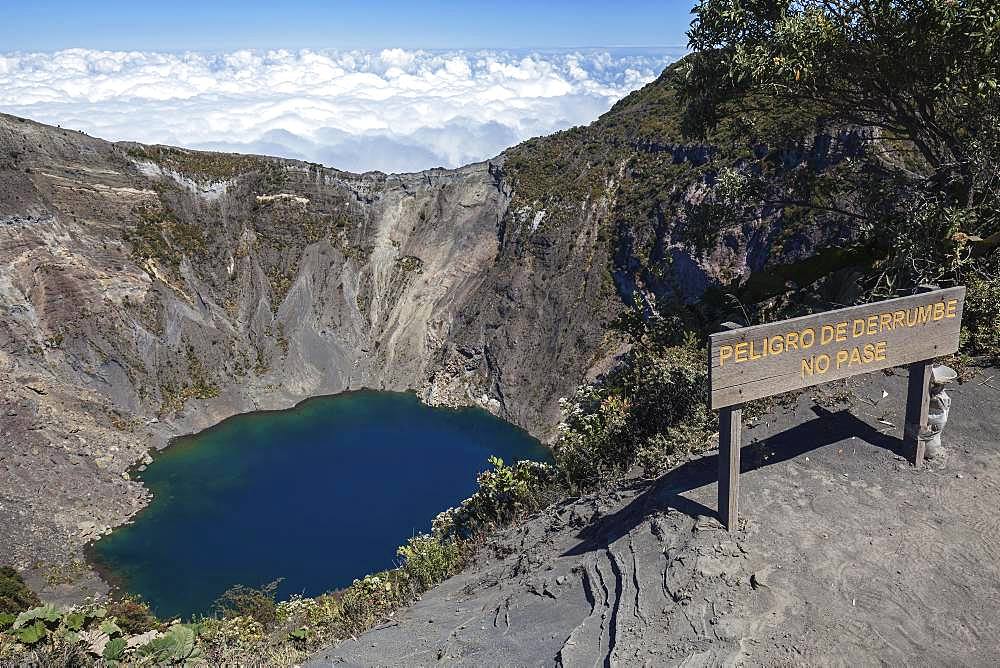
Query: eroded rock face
(147,293)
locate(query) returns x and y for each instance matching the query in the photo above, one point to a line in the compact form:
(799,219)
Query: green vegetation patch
(408,263)
(199,165)
(160,236)
(198,384)
(15,596)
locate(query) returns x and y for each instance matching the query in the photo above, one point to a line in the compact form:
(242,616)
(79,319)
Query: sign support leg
(917,397)
(730,426)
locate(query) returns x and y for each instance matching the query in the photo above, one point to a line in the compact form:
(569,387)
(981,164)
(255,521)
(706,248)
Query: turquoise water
(318,495)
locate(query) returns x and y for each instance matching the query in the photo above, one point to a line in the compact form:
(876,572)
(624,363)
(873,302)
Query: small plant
(115,649)
(133,615)
(427,560)
(74,621)
(368,601)
(505,493)
(31,633)
(175,646)
(981,320)
(257,604)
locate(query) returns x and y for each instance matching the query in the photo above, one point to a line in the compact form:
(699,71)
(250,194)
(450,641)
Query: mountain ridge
(139,318)
(164,290)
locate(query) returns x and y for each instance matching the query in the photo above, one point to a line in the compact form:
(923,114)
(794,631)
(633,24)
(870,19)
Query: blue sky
(46,25)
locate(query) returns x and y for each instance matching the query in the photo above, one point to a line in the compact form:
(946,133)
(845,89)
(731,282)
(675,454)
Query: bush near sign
(755,362)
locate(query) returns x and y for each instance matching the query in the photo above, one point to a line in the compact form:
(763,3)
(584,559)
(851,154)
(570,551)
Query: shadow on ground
(667,492)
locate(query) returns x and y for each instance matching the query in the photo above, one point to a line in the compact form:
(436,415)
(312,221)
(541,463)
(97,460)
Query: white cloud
(392,110)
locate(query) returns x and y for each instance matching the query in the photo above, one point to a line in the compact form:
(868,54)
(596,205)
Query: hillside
(151,291)
(846,555)
(147,299)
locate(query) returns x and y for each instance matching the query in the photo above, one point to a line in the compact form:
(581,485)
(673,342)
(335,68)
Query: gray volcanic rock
(845,555)
(148,292)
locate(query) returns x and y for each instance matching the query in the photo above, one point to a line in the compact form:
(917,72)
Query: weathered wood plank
(917,399)
(760,361)
(730,438)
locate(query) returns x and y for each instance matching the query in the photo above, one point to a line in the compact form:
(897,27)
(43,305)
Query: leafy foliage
(650,407)
(505,494)
(981,319)
(133,615)
(110,627)
(175,646)
(31,633)
(74,621)
(44,613)
(258,604)
(368,600)
(922,76)
(428,560)
(115,649)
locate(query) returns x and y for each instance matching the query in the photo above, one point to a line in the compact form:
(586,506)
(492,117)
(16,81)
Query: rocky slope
(147,291)
(146,298)
(845,555)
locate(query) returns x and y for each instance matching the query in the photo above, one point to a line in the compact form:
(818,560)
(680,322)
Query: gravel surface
(846,555)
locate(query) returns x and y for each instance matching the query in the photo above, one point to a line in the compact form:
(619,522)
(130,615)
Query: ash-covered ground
(845,555)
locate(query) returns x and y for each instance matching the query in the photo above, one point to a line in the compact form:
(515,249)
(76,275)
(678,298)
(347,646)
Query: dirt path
(846,556)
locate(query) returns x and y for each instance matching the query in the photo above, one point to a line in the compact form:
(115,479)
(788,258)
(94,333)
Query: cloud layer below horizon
(392,110)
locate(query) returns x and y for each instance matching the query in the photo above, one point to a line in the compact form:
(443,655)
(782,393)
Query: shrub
(981,330)
(650,408)
(257,604)
(505,493)
(368,601)
(233,641)
(428,560)
(595,439)
(133,615)
(15,596)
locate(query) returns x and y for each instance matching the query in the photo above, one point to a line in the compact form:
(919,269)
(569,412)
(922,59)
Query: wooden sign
(747,363)
(755,362)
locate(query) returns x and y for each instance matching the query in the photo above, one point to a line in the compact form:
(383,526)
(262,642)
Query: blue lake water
(318,495)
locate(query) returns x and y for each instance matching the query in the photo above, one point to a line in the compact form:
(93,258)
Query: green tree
(921,75)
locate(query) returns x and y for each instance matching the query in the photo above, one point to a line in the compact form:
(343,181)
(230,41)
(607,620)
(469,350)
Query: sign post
(754,362)
(730,436)
(917,399)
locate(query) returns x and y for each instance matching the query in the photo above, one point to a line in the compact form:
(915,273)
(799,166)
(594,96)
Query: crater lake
(318,495)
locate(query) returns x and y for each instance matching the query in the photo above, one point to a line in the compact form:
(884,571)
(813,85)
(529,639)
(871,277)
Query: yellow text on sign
(839,332)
